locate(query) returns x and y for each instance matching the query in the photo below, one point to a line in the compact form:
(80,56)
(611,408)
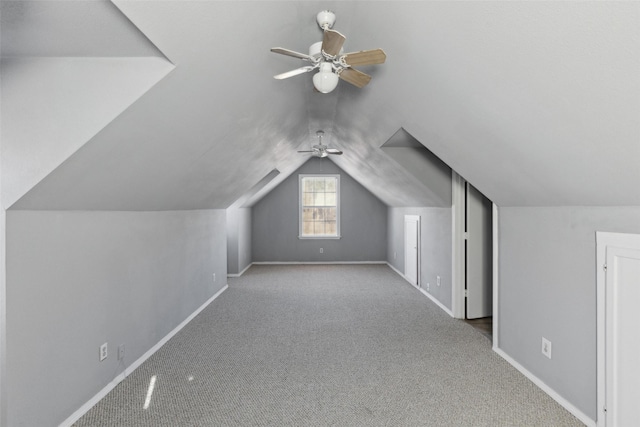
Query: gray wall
(547,279)
(244,238)
(238,239)
(428,169)
(78,279)
(435,258)
(363,220)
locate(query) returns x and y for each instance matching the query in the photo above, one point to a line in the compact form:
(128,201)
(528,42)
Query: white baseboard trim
(241,273)
(401,274)
(544,387)
(128,370)
(317,262)
(432,298)
(427,294)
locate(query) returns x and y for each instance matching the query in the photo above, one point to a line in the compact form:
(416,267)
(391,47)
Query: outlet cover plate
(546,347)
(103,352)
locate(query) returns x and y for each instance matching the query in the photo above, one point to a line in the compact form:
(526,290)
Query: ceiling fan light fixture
(325,80)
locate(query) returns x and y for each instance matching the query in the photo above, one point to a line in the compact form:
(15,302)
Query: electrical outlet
(121,352)
(395,255)
(438,280)
(546,347)
(214,277)
(428,285)
(103,352)
(321,250)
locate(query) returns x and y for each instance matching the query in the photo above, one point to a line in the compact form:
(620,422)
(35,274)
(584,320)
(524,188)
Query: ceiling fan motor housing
(320,153)
(315,50)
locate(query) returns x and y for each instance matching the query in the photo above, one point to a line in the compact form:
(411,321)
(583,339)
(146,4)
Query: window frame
(301,206)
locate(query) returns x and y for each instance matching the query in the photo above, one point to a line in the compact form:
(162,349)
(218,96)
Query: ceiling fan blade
(365,57)
(333,151)
(283,51)
(295,72)
(306,151)
(332,42)
(355,77)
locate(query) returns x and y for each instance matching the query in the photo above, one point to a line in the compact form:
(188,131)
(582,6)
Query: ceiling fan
(320,150)
(327,56)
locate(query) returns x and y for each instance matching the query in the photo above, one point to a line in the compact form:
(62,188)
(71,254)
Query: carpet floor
(326,345)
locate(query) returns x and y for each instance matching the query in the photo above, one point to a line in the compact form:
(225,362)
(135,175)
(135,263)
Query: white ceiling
(535,103)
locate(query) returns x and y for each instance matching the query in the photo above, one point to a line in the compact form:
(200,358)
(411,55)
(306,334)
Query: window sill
(319,237)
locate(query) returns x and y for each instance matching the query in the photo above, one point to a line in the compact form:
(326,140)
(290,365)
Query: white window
(319,206)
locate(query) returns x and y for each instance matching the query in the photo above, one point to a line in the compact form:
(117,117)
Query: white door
(618,337)
(412,248)
(622,339)
(479,282)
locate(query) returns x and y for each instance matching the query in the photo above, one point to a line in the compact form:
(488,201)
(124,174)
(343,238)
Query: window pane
(330,214)
(307,199)
(307,228)
(331,185)
(330,199)
(318,228)
(307,184)
(307,214)
(318,199)
(330,228)
(319,185)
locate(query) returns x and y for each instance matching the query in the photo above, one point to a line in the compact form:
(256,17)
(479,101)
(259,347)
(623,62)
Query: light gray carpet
(326,345)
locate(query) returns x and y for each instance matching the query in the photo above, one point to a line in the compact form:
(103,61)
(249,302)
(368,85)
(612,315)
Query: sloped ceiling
(63,80)
(535,103)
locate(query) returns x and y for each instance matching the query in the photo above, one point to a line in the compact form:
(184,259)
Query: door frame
(458,255)
(604,240)
(458,272)
(479,254)
(416,219)
(496,271)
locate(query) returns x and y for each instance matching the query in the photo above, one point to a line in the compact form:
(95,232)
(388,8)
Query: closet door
(479,282)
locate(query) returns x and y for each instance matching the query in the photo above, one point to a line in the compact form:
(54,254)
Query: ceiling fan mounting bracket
(326,19)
